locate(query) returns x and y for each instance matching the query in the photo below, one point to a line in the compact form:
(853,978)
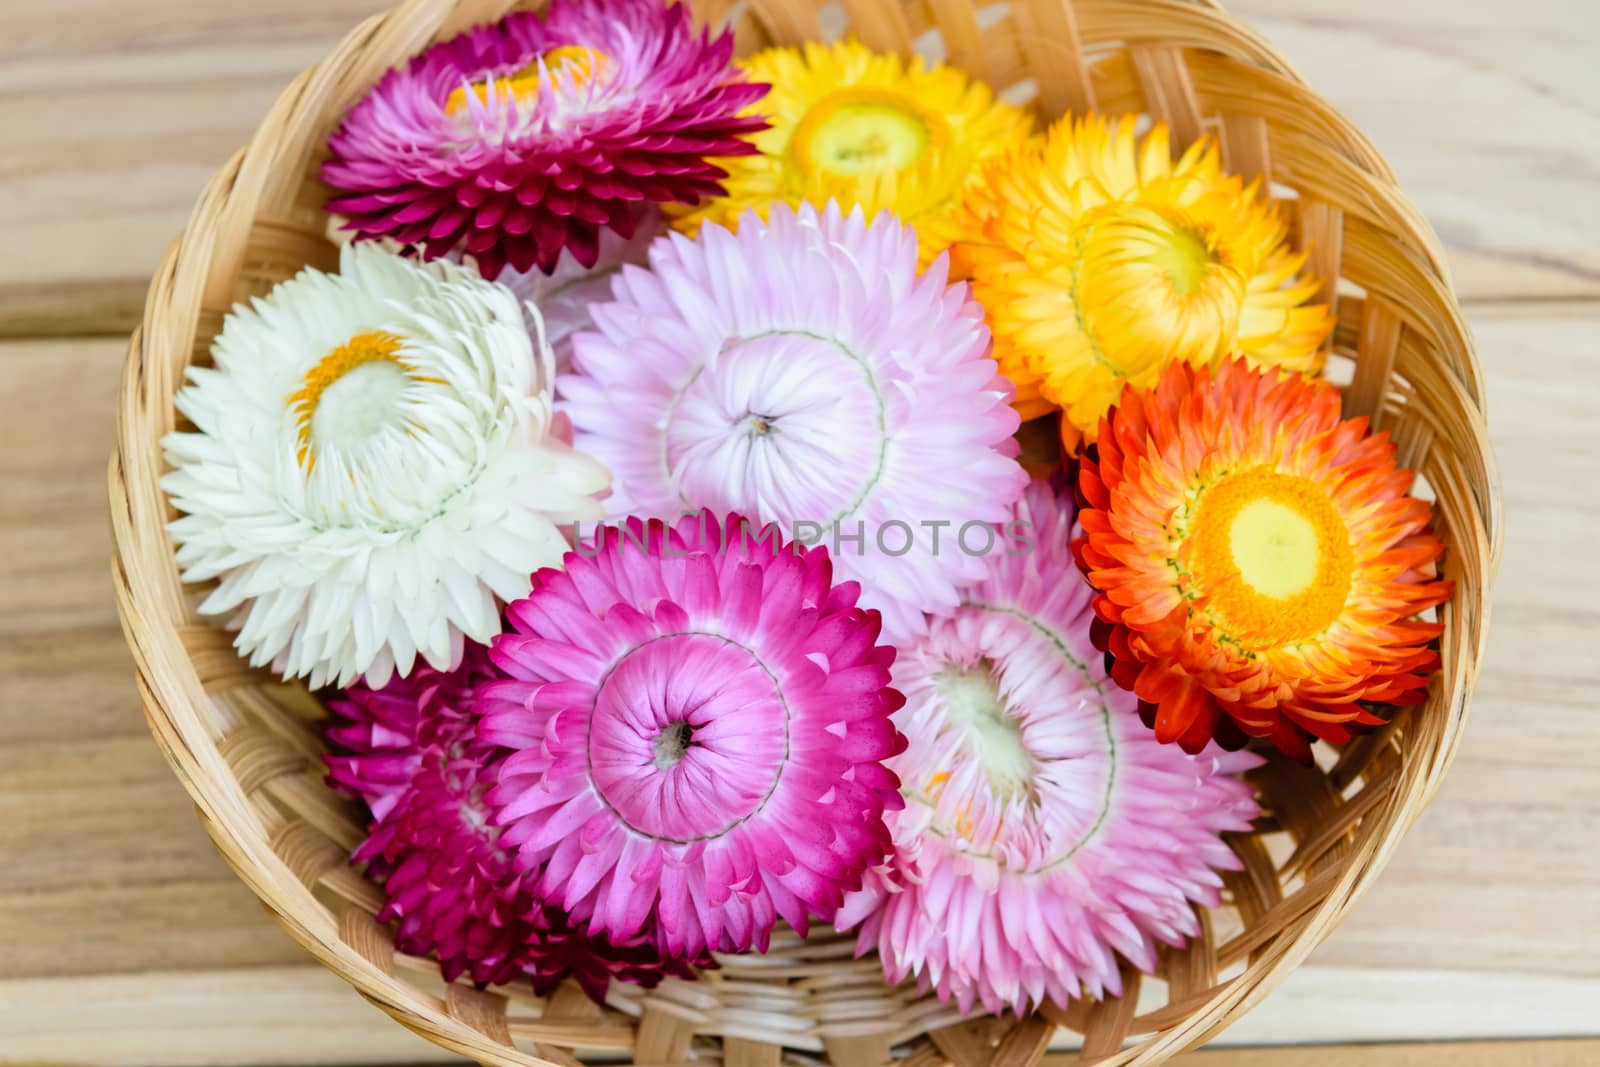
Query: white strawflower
(377,467)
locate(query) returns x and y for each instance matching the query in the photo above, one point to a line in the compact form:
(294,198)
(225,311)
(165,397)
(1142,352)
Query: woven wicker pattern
(247,747)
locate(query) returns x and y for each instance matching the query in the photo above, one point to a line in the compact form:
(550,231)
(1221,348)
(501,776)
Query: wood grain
(1490,113)
(270,1016)
(303,1015)
(1443,1054)
(113,117)
(1502,872)
(1482,926)
(106,869)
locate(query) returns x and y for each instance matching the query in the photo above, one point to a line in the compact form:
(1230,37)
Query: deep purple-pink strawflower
(698,716)
(1046,832)
(451,891)
(373,734)
(516,140)
(565,948)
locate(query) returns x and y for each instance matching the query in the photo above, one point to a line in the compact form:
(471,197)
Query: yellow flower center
(1151,288)
(1186,258)
(576,62)
(1271,557)
(861,131)
(349,393)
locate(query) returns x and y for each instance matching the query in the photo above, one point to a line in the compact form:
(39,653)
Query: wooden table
(125,939)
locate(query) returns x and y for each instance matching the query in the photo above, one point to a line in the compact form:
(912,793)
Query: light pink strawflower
(698,717)
(563,296)
(452,891)
(1046,831)
(802,371)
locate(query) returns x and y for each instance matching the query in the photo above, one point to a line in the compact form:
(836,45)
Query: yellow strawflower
(867,130)
(1100,260)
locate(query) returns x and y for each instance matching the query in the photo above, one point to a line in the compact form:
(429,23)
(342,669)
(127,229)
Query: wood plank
(1324,1005)
(1487,111)
(1482,927)
(1318,1004)
(271,1016)
(302,1015)
(106,868)
(74,307)
(1442,1054)
(114,116)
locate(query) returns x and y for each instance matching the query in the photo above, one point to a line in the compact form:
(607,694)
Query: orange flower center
(860,131)
(350,391)
(576,62)
(1271,557)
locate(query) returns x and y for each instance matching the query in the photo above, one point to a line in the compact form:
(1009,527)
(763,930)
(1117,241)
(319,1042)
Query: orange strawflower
(1259,566)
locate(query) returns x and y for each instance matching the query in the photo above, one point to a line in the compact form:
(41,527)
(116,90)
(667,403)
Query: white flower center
(382,438)
(789,422)
(358,404)
(349,394)
(973,702)
(1012,749)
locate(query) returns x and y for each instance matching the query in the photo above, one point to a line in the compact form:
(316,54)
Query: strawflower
(453,893)
(865,130)
(1101,260)
(1259,564)
(1045,831)
(521,139)
(802,371)
(375,467)
(697,716)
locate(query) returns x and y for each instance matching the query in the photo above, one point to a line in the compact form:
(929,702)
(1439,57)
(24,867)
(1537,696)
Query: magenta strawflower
(805,373)
(698,717)
(373,732)
(1045,831)
(452,892)
(516,140)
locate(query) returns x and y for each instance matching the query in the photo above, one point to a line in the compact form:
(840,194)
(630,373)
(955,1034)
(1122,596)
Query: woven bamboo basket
(247,746)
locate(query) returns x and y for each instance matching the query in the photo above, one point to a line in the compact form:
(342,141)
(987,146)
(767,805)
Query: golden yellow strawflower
(867,130)
(1101,260)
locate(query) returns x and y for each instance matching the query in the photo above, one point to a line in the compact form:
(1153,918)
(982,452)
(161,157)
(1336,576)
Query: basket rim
(169,679)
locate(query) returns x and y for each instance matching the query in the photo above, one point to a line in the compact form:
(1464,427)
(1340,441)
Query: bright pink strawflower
(450,889)
(698,717)
(516,140)
(1045,831)
(802,371)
